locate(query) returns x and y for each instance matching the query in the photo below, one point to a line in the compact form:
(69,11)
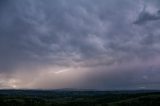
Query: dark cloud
(146,17)
(86,36)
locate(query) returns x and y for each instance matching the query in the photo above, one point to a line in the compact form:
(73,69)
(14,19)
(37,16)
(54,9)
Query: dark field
(78,98)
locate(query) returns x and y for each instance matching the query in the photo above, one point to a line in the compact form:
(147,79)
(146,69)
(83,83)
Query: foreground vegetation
(78,98)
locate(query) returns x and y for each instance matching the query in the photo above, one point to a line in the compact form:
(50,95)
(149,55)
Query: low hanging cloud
(79,44)
(146,17)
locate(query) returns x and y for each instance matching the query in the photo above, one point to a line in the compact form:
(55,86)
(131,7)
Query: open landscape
(78,98)
(79,52)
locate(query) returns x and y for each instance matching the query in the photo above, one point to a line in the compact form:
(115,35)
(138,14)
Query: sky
(81,44)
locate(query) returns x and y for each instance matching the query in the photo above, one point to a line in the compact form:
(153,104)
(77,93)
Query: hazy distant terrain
(78,98)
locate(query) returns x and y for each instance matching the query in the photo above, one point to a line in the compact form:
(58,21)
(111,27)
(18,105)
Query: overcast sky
(84,44)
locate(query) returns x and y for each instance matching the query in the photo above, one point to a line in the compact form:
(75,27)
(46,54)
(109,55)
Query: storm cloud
(97,44)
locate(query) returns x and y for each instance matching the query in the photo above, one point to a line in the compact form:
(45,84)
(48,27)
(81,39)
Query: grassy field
(78,98)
